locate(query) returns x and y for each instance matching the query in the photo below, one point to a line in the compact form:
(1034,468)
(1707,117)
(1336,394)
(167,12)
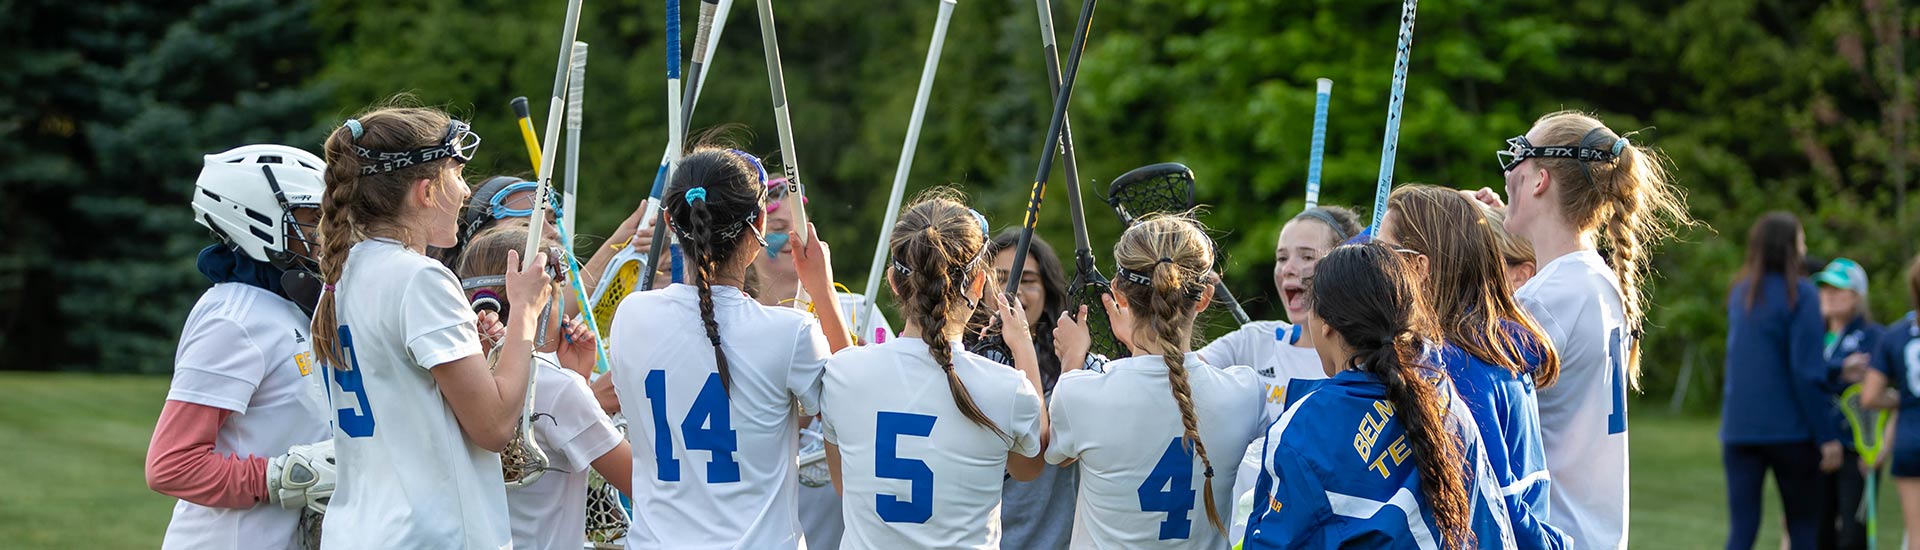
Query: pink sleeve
(181,462)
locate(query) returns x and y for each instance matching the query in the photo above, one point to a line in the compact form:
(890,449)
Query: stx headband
(1519,149)
(978,218)
(458,144)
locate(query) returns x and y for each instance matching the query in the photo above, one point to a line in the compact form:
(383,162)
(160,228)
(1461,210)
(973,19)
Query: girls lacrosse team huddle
(379,365)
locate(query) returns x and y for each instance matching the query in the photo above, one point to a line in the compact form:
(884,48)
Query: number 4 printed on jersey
(708,426)
(1169,488)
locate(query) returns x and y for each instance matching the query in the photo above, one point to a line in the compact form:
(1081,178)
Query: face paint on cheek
(775,243)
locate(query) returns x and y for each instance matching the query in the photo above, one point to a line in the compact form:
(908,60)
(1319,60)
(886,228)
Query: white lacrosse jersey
(1140,484)
(244,349)
(1583,417)
(917,473)
(712,467)
(1267,347)
(408,477)
(570,427)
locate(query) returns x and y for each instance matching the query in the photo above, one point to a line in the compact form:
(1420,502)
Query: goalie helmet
(247,195)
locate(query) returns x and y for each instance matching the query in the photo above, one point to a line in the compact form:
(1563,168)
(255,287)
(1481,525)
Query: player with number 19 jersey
(1583,417)
(408,476)
(916,472)
(1140,485)
(714,467)
(1897,355)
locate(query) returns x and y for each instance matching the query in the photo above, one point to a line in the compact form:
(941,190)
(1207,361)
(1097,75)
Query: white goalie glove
(302,478)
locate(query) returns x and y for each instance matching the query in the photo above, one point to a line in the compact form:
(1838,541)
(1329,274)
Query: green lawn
(72,446)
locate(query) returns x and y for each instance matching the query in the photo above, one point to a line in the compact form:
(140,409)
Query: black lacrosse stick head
(1086,290)
(1164,188)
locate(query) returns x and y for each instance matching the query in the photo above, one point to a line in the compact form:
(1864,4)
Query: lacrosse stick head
(606,519)
(1086,290)
(306,534)
(1165,188)
(523,462)
(1868,425)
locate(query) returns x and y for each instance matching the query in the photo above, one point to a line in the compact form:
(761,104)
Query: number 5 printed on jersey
(1913,366)
(888,428)
(708,426)
(355,421)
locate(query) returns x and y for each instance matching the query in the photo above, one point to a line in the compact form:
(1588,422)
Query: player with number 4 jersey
(1141,431)
(710,378)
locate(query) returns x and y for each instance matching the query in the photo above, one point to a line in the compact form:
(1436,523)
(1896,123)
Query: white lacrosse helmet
(247,195)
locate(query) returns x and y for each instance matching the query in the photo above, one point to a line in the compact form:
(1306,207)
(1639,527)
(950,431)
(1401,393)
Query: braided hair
(1166,267)
(712,202)
(936,248)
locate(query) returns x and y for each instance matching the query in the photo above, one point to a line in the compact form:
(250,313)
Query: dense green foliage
(1762,105)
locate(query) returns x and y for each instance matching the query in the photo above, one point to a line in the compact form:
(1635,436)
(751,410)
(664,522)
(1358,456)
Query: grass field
(72,449)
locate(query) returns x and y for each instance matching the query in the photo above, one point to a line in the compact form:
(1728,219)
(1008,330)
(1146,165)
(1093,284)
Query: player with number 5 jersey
(920,432)
(1577,186)
(421,414)
(709,378)
(1141,431)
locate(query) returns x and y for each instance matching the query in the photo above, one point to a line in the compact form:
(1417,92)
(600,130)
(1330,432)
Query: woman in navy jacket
(1776,414)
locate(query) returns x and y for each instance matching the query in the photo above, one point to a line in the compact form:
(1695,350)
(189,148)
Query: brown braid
(358,207)
(940,242)
(1177,254)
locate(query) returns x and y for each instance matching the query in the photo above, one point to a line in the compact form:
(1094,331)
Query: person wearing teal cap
(1851,334)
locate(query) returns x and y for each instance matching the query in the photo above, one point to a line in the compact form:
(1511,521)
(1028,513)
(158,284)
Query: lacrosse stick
(578,68)
(876,271)
(1165,188)
(606,516)
(522,455)
(1868,428)
(1088,284)
(1395,99)
(576,98)
(789,160)
(1051,144)
(1323,91)
(680,114)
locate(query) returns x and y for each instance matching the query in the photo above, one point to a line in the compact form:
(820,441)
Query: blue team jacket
(1503,406)
(1344,475)
(1859,336)
(1776,375)
(1890,358)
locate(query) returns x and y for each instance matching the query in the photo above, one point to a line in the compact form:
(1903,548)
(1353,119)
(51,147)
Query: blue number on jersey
(1169,488)
(1617,348)
(708,426)
(889,426)
(668,467)
(1913,366)
(355,422)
